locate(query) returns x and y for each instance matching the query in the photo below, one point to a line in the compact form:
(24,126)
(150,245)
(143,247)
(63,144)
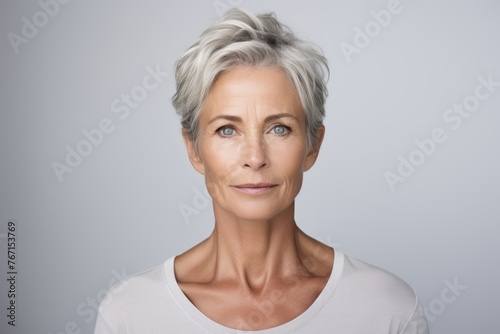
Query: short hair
(241,38)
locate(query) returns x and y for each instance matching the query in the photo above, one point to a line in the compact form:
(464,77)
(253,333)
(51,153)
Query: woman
(251,97)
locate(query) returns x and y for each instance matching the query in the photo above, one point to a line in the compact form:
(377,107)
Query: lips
(255,188)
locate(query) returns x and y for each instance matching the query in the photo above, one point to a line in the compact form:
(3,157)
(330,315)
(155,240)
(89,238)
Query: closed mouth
(255,188)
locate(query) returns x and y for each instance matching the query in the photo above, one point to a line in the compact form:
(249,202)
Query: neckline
(214,327)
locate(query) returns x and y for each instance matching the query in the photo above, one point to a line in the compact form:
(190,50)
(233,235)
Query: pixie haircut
(240,38)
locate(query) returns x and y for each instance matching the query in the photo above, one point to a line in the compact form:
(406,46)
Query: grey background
(119,210)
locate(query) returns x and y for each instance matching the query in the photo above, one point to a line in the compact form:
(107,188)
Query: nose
(255,153)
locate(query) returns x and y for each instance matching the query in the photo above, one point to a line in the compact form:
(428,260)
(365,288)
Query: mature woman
(251,97)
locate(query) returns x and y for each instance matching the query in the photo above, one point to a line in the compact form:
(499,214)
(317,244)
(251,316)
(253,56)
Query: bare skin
(257,269)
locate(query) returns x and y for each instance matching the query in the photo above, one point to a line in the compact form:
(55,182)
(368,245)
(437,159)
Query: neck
(255,251)
(255,254)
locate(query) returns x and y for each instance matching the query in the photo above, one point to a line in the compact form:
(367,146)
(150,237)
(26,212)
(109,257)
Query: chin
(258,210)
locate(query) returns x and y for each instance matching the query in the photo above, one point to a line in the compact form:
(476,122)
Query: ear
(193,154)
(312,155)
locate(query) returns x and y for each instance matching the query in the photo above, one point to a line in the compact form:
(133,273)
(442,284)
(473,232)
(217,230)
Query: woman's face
(252,143)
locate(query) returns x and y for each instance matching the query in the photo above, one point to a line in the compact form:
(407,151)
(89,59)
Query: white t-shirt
(357,299)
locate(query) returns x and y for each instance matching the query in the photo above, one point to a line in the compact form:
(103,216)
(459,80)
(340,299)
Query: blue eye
(226,131)
(280,130)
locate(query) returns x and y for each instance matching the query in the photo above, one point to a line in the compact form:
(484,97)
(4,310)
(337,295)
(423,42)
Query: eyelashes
(283,129)
(228,131)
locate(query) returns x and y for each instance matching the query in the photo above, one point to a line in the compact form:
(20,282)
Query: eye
(225,131)
(280,130)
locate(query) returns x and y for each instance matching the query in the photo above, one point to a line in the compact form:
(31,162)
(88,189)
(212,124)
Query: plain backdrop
(134,200)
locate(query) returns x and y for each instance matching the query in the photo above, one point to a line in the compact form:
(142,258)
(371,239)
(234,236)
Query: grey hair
(241,38)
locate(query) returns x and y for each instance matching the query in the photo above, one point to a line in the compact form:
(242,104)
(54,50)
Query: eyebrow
(239,120)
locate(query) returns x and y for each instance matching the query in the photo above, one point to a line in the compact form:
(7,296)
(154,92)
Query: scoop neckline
(296,323)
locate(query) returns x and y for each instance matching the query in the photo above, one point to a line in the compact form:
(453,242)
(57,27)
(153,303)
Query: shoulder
(368,276)
(369,299)
(376,290)
(131,295)
(140,283)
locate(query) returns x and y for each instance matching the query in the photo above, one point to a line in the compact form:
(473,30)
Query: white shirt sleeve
(101,326)
(417,324)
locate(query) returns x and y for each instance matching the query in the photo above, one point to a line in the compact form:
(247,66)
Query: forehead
(252,89)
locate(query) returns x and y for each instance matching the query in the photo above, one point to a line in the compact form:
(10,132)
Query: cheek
(288,162)
(220,157)
(219,163)
(290,157)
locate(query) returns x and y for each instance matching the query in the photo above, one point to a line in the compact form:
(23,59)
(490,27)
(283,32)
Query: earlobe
(313,153)
(193,154)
